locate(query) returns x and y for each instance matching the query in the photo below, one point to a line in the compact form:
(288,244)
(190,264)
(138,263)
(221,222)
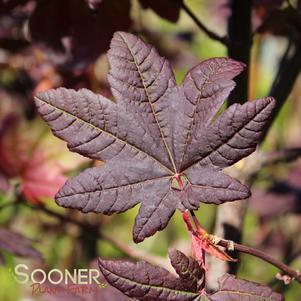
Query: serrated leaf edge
(103,131)
(149,101)
(242,294)
(147,286)
(270,102)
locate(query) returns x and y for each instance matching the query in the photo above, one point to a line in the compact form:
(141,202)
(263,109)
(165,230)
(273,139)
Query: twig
(209,33)
(124,248)
(285,155)
(134,253)
(59,216)
(288,260)
(262,255)
(254,252)
(196,222)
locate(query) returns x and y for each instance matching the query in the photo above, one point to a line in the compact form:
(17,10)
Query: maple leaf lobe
(144,281)
(188,269)
(233,289)
(162,144)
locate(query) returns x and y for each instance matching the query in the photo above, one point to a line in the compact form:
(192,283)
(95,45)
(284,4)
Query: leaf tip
(172,252)
(246,193)
(137,237)
(122,35)
(104,266)
(271,100)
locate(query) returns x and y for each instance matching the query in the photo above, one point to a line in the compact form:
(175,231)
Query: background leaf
(188,269)
(17,244)
(146,282)
(232,289)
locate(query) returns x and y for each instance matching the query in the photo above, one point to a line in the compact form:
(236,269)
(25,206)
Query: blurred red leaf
(280,198)
(167,9)
(75,30)
(41,178)
(27,155)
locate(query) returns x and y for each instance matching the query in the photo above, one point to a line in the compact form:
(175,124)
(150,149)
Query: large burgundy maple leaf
(145,282)
(162,144)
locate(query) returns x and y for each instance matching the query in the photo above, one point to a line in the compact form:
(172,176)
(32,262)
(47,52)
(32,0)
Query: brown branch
(89,229)
(240,42)
(254,252)
(134,253)
(209,33)
(285,155)
(59,216)
(265,257)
